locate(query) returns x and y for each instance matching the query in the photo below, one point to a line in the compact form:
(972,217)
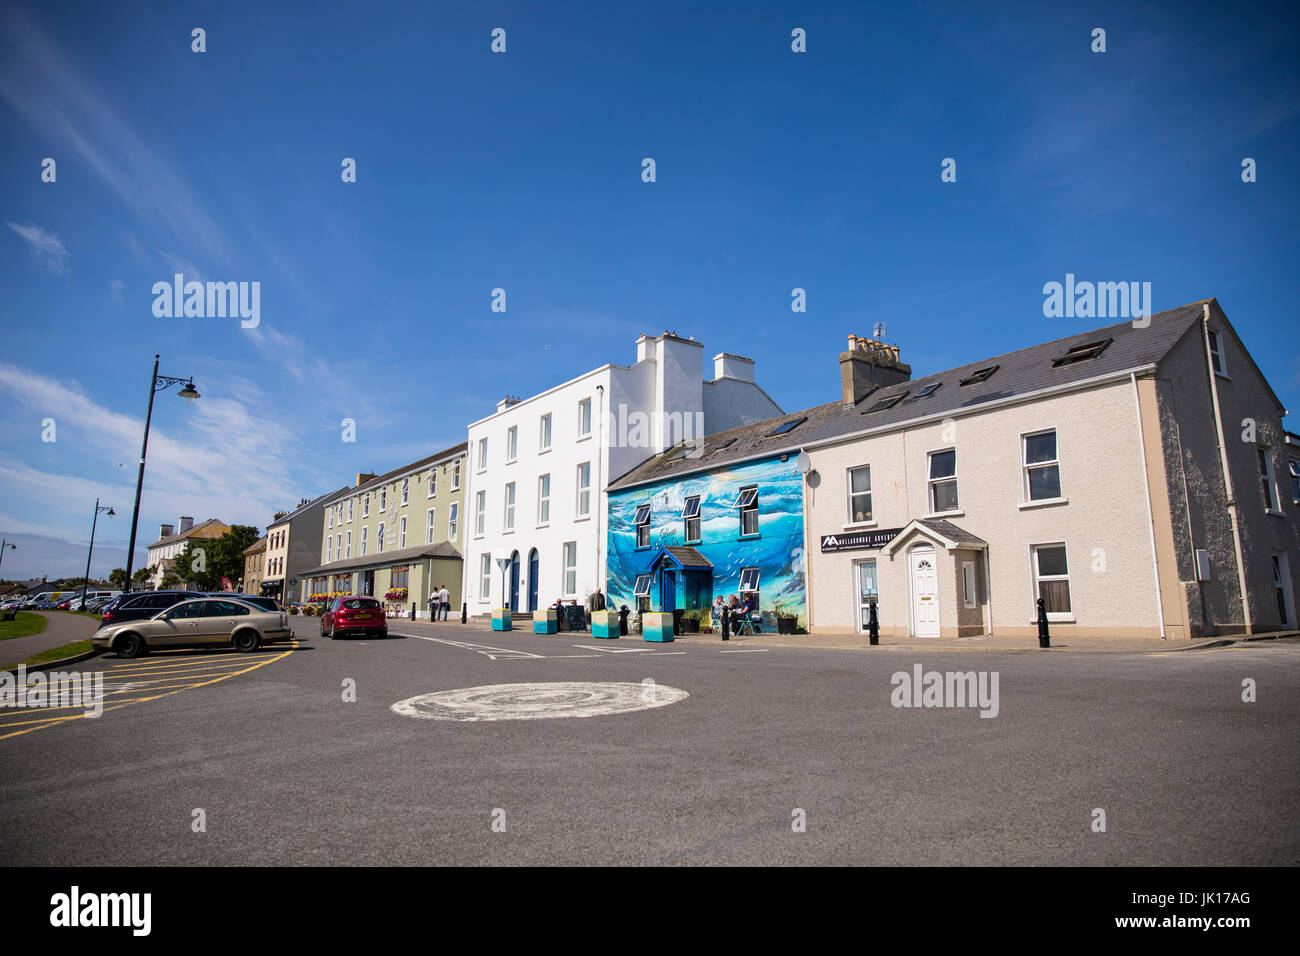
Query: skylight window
(682,452)
(726,444)
(786,427)
(983,375)
(1081,353)
(929,390)
(889,402)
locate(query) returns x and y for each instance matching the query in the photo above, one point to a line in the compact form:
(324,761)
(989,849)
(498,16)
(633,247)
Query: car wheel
(246,641)
(129,645)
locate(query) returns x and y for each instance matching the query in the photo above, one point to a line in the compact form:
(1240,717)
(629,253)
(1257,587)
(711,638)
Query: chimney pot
(868,365)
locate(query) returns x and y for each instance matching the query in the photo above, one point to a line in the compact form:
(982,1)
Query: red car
(354,615)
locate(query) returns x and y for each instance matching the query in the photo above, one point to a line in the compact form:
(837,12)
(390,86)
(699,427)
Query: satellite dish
(804,462)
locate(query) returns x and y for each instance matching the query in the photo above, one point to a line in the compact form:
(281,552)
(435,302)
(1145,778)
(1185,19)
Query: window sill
(586,437)
(860,525)
(544,451)
(505,531)
(1275,513)
(583,518)
(547,525)
(1223,375)
(944,514)
(1042,503)
(1055,617)
(511,461)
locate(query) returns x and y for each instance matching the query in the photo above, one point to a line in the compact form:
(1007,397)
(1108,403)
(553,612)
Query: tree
(170,580)
(142,575)
(117,579)
(227,554)
(196,565)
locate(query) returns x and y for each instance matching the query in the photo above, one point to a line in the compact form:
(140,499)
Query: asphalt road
(285,771)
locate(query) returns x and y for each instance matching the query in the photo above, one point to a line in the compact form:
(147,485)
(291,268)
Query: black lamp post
(4,543)
(156,384)
(93,521)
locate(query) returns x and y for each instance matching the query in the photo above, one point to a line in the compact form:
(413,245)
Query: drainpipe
(1146,489)
(599,488)
(1227,476)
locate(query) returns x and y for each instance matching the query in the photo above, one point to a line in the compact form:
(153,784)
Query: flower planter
(604,624)
(544,622)
(787,625)
(657,626)
(690,625)
(501,619)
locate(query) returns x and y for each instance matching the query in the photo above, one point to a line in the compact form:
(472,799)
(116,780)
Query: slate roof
(1018,373)
(258,545)
(447,454)
(946,529)
(180,535)
(318,500)
(442,549)
(687,557)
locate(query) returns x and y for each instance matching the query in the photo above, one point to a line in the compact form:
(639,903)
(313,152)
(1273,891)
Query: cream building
(171,542)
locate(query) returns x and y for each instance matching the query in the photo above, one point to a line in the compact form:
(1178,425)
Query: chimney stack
(867,365)
(164,531)
(363,477)
(186,523)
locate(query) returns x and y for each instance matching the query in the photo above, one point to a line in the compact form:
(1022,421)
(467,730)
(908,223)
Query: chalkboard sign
(575,617)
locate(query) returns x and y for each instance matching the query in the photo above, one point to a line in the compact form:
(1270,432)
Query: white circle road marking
(538,701)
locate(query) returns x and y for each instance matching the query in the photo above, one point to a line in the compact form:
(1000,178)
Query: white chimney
(726,365)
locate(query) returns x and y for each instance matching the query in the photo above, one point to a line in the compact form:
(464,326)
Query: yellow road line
(52,721)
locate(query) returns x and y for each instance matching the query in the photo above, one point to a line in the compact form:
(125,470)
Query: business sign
(858,540)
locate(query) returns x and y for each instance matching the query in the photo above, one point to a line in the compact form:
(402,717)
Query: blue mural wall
(777,551)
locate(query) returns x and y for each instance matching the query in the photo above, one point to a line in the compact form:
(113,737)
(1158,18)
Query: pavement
(60,628)
(346,753)
(853,641)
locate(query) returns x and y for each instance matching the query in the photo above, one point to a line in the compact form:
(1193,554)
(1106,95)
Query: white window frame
(751,508)
(401,532)
(582,496)
(351,502)
(430,525)
(850,494)
(480,513)
(544,433)
(1026,466)
(643,525)
(930,481)
(1268,478)
(406,490)
(453,519)
(584,412)
(383,500)
(331,512)
(365,505)
(970,594)
(1293,471)
(482,455)
(329,548)
(485,577)
(508,514)
(512,444)
(641,586)
(433,483)
(455,475)
(1062,616)
(687,519)
(379,539)
(365,533)
(349,545)
(1215,346)
(543,500)
(569,569)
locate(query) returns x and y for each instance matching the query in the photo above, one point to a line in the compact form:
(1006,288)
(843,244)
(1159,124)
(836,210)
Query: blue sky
(521,170)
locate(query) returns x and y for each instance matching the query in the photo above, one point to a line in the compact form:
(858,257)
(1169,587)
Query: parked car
(262,602)
(198,622)
(139,605)
(354,615)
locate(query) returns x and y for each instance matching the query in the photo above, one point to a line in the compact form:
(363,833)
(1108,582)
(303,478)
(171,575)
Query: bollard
(412,610)
(1044,638)
(726,624)
(464,612)
(873,626)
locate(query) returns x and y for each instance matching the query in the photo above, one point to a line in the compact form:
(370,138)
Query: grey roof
(319,500)
(687,557)
(946,529)
(1018,373)
(442,549)
(448,453)
(188,533)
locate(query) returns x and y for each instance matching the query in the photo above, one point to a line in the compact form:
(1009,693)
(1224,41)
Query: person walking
(444,601)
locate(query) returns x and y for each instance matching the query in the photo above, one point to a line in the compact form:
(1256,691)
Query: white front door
(925,592)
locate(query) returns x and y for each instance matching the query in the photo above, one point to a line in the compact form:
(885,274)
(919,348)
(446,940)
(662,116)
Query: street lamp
(4,543)
(156,384)
(93,521)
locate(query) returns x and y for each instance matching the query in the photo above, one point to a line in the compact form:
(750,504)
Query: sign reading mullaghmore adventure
(858,540)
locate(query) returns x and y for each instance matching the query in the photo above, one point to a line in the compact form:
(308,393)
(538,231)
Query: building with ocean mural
(682,532)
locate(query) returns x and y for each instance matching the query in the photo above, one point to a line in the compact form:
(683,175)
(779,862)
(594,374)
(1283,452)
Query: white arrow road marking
(493,652)
(616,650)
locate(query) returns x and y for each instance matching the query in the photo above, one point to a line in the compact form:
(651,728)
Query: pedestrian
(444,600)
(559,615)
(718,612)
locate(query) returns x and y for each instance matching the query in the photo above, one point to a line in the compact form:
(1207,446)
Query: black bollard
(1044,638)
(873,625)
(464,612)
(726,624)
(412,610)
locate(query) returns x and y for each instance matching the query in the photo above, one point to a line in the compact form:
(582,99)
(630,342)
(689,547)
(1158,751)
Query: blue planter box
(501,620)
(604,624)
(544,622)
(657,626)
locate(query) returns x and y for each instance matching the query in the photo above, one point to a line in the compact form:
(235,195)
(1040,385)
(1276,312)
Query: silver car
(206,622)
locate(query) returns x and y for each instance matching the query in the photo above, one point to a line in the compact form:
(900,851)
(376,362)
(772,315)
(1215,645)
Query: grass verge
(24,625)
(56,654)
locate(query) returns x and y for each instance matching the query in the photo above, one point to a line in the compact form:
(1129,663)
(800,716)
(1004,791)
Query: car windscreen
(363,604)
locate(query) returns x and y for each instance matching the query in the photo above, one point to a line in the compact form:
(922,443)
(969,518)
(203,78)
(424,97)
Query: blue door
(514,580)
(532,580)
(668,590)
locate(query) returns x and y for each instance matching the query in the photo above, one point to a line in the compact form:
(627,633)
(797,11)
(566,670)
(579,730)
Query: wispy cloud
(46,248)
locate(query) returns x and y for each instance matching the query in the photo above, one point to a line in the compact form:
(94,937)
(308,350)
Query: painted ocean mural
(777,551)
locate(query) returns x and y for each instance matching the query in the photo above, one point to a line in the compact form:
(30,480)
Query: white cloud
(116,288)
(46,248)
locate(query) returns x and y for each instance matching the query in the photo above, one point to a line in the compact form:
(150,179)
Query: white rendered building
(537,468)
